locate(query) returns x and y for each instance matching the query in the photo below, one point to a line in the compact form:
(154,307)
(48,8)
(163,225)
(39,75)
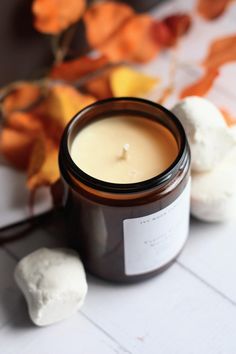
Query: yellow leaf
(128,82)
(64,102)
(43,167)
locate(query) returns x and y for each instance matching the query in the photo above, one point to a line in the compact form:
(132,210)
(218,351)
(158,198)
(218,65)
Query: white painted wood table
(189,309)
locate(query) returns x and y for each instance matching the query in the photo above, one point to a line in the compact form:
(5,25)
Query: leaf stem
(61,43)
(47,82)
(19,229)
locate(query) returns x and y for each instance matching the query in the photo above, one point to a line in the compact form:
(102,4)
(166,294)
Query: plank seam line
(105,333)
(202,280)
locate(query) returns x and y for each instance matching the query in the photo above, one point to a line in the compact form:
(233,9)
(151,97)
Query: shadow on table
(21,320)
(201,229)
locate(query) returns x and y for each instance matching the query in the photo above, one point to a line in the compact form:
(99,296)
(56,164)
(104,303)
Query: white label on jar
(152,241)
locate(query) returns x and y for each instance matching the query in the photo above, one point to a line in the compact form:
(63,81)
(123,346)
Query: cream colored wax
(124,149)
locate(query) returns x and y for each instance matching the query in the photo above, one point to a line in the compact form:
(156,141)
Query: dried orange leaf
(103,19)
(161,34)
(38,155)
(43,168)
(202,86)
(73,69)
(212,9)
(54,16)
(16,147)
(221,51)
(63,102)
(128,82)
(229,118)
(165,94)
(133,42)
(178,24)
(21,97)
(167,31)
(99,87)
(26,122)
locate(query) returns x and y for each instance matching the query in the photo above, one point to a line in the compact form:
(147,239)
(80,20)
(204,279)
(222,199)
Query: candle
(125,166)
(124,149)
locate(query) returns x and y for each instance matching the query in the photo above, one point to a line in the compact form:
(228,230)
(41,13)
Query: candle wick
(125,151)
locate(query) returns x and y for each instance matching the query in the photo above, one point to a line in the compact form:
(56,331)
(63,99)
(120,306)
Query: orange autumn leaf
(16,147)
(38,155)
(100,86)
(104,19)
(229,118)
(178,24)
(54,16)
(24,121)
(167,31)
(21,130)
(202,86)
(43,166)
(63,102)
(211,9)
(132,42)
(221,51)
(24,95)
(161,34)
(72,70)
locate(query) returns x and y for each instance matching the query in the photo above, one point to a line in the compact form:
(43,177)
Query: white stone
(213,194)
(209,137)
(53,282)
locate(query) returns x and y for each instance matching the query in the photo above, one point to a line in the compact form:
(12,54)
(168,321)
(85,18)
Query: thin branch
(67,38)
(47,82)
(25,222)
(168,90)
(55,44)
(61,43)
(94,74)
(6,90)
(16,231)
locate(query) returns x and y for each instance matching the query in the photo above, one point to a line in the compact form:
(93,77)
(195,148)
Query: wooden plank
(36,239)
(142,317)
(74,336)
(18,334)
(14,202)
(9,295)
(172,313)
(210,253)
(51,233)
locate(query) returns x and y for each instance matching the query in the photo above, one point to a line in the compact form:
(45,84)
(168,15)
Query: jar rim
(66,161)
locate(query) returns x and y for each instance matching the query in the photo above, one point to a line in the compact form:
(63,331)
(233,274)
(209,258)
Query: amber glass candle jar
(127,232)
